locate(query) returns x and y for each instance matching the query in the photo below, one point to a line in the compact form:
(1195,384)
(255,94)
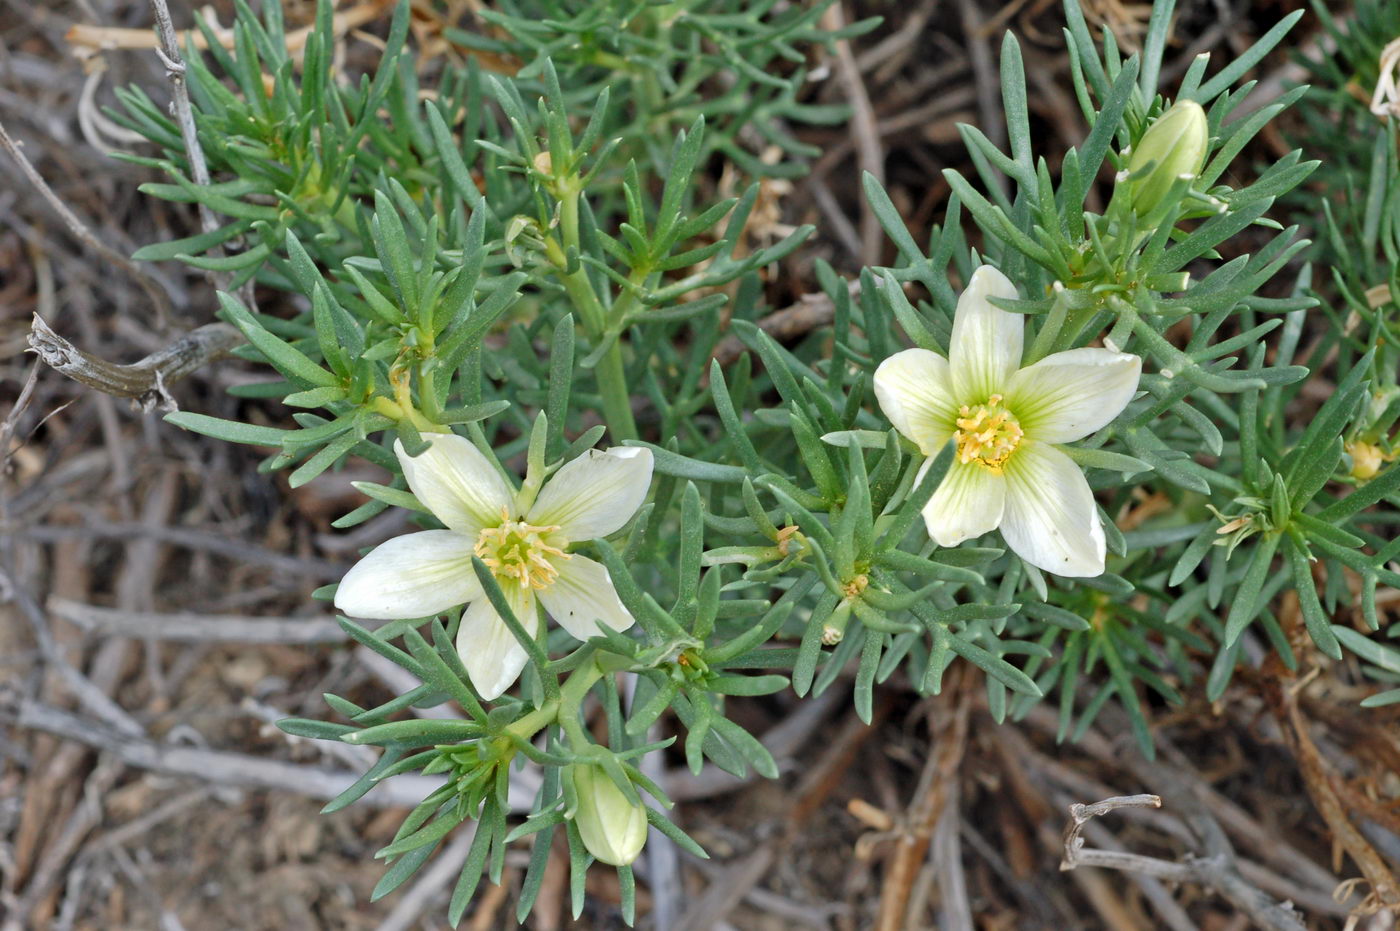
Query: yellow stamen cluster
(521,552)
(987,434)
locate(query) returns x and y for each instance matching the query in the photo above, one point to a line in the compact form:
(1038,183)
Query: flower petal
(967,504)
(583,600)
(595,494)
(985,348)
(456,482)
(415,575)
(915,390)
(1069,395)
(1051,521)
(489,651)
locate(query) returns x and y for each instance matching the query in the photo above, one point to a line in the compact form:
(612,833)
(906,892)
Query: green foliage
(530,260)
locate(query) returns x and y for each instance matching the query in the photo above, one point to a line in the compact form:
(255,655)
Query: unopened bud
(1175,146)
(1366,459)
(613,828)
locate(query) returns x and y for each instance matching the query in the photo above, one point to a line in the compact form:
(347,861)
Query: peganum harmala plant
(1078,476)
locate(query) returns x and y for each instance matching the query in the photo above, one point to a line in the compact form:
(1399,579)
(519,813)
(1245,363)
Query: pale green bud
(1175,145)
(613,828)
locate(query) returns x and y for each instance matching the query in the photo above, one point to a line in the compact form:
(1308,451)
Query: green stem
(579,289)
(532,723)
(571,700)
(612,378)
(568,212)
(617,399)
(427,400)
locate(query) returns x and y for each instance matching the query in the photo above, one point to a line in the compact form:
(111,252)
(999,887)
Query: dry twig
(222,544)
(870,151)
(144,381)
(169,53)
(89,38)
(79,230)
(1215,871)
(197,627)
(1318,776)
(810,311)
(912,847)
(238,769)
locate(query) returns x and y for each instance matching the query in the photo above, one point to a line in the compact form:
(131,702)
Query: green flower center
(987,434)
(521,552)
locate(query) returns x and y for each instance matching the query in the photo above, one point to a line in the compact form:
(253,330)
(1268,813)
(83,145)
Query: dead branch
(239,769)
(144,381)
(169,53)
(197,628)
(1308,881)
(810,311)
(1213,871)
(79,229)
(1318,775)
(1076,855)
(220,544)
(87,38)
(950,742)
(89,695)
(870,151)
(1229,879)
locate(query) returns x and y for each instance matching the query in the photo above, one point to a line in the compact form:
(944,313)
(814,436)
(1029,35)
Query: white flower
(526,548)
(1006,422)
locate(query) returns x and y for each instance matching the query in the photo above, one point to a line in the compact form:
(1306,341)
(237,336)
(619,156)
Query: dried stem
(1318,776)
(1076,855)
(809,312)
(197,627)
(101,38)
(169,52)
(79,230)
(870,151)
(144,381)
(1216,871)
(950,743)
(226,768)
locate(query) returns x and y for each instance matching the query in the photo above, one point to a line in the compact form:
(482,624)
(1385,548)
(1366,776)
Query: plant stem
(617,400)
(571,699)
(612,379)
(529,725)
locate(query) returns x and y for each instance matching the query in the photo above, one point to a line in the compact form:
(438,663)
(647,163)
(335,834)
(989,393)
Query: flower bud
(613,828)
(1175,145)
(1366,459)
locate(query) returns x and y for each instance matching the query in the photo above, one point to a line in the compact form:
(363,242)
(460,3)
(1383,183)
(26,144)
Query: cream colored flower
(1006,422)
(526,548)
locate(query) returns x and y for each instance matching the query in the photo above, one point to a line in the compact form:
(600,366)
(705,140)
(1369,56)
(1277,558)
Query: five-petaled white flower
(525,545)
(1005,421)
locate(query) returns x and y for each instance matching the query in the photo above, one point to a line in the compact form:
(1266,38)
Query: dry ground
(142,785)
